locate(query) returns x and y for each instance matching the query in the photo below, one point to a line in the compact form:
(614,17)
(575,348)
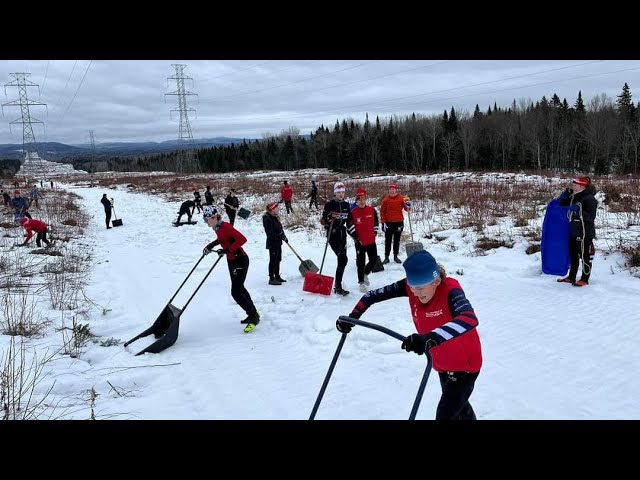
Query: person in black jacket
(582,214)
(275,236)
(232,205)
(106,203)
(187,209)
(313,195)
(208,196)
(337,221)
(198,200)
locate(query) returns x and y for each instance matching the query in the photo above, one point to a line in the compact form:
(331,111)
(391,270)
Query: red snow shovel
(166,326)
(316,282)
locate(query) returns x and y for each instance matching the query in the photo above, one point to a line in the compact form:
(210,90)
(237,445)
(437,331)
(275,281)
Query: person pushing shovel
(231,241)
(446,325)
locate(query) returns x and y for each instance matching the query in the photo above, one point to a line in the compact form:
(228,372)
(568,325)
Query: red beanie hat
(393,185)
(361,192)
(271,206)
(584,181)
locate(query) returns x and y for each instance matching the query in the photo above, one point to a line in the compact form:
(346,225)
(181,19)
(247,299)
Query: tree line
(599,137)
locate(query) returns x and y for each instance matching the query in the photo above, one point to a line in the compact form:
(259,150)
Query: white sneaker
(363,287)
(366,280)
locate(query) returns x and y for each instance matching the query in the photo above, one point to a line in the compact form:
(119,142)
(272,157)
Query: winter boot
(565,280)
(363,287)
(386,260)
(274,281)
(340,291)
(396,259)
(280,279)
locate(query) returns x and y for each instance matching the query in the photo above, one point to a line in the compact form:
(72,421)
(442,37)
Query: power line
(77,90)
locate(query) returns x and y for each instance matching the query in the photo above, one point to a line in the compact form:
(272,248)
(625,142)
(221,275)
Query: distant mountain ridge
(57,151)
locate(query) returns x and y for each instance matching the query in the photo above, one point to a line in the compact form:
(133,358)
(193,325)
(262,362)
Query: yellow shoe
(250,328)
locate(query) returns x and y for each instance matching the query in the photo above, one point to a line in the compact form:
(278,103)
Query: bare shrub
(533,248)
(631,254)
(20,314)
(19,379)
(75,337)
(486,243)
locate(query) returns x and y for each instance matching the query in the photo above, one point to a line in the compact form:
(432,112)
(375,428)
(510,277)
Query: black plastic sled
(166,326)
(379,328)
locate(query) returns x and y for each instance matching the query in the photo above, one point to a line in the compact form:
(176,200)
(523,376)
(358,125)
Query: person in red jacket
(286,194)
(231,241)
(392,220)
(33,225)
(365,224)
(446,326)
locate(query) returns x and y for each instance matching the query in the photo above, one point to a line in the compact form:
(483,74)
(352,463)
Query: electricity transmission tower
(186,160)
(29,146)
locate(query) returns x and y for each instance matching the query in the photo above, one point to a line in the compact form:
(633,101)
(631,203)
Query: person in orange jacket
(392,220)
(32,225)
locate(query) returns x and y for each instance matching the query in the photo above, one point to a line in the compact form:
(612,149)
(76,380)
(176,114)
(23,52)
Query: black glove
(420,343)
(568,191)
(284,238)
(357,243)
(222,251)
(206,251)
(343,327)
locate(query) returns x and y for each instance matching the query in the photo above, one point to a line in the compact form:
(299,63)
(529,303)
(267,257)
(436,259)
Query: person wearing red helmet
(32,225)
(583,207)
(365,221)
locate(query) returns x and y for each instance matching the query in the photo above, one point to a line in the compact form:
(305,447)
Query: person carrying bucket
(231,241)
(336,219)
(446,325)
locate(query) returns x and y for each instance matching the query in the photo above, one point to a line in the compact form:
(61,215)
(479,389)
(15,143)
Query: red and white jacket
(229,239)
(365,224)
(448,314)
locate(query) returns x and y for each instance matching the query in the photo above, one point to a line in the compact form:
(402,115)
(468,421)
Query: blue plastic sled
(554,245)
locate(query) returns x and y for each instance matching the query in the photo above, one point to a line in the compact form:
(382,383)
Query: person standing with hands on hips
(446,325)
(231,241)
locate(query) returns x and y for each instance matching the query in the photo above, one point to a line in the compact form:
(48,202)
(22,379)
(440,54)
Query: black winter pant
(182,212)
(338,242)
(232,216)
(394,230)
(372,252)
(107,217)
(238,270)
(287,203)
(313,201)
(275,257)
(456,390)
(42,237)
(579,250)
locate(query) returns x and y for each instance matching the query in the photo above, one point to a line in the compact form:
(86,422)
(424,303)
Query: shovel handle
(296,253)
(326,244)
(425,376)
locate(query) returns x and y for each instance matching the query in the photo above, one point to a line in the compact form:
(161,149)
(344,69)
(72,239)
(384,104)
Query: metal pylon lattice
(185,157)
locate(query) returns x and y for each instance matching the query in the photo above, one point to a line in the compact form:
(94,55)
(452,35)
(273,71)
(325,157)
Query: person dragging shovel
(231,241)
(446,325)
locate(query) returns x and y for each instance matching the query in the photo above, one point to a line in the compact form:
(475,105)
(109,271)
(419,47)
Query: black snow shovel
(353,321)
(305,265)
(117,222)
(166,326)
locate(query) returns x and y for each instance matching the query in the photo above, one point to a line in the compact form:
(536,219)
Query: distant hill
(57,151)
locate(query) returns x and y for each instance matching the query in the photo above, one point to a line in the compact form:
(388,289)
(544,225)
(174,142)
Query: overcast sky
(125,101)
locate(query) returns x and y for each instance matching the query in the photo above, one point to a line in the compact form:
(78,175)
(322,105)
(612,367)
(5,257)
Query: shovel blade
(307,266)
(244,213)
(413,247)
(316,283)
(378,267)
(117,222)
(165,329)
